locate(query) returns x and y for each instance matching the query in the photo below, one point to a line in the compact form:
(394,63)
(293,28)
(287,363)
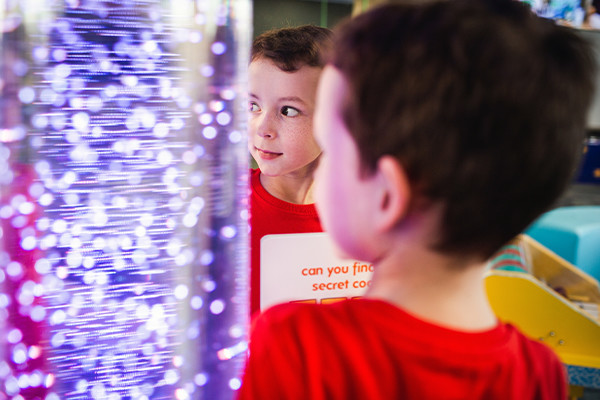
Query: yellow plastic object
(530,302)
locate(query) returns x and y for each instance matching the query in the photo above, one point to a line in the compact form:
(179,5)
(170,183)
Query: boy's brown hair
(291,48)
(483,103)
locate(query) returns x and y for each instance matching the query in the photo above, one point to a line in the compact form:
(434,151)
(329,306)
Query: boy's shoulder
(310,316)
(357,317)
(295,337)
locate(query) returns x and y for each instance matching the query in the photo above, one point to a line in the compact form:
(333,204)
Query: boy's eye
(253,107)
(289,111)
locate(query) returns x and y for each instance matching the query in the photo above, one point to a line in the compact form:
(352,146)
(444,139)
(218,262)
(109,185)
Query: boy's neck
(448,291)
(295,189)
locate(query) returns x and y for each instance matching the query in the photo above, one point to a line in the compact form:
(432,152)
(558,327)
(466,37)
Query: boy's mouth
(267,155)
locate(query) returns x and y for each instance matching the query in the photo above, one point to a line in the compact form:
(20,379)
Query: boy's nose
(265,126)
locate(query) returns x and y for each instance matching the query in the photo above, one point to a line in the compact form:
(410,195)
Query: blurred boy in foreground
(446,128)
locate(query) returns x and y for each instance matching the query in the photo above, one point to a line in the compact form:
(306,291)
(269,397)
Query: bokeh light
(123,178)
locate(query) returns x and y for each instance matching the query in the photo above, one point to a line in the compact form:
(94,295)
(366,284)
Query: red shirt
(270,215)
(369,349)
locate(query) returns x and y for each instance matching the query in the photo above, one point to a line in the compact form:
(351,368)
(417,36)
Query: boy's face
(343,196)
(281,113)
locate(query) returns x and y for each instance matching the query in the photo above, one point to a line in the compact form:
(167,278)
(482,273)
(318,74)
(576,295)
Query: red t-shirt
(270,215)
(370,349)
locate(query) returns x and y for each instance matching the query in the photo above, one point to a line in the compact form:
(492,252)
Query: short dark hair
(483,103)
(291,48)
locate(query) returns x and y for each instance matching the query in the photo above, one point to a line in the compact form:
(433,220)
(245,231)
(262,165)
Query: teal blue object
(509,258)
(512,268)
(573,233)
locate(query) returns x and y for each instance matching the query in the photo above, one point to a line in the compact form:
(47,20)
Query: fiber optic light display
(123,177)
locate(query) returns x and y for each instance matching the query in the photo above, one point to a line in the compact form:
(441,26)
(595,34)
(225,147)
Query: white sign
(305,267)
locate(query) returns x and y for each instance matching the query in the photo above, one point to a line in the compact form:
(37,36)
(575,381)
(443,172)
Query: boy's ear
(395,193)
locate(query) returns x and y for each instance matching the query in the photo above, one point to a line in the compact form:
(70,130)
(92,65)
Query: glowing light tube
(123,210)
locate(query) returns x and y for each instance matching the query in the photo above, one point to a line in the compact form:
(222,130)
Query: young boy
(446,128)
(283,75)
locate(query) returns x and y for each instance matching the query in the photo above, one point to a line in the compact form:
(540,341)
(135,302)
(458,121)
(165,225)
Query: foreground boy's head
(283,75)
(481,103)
